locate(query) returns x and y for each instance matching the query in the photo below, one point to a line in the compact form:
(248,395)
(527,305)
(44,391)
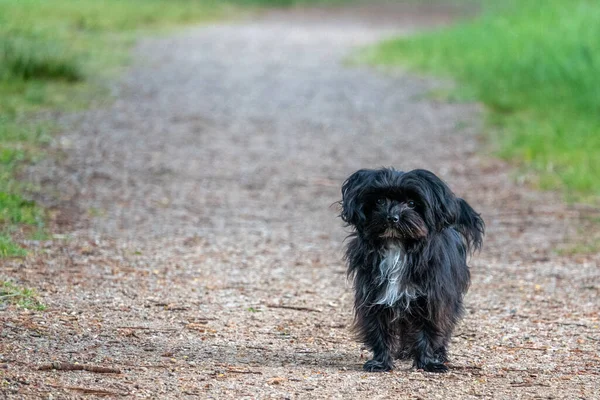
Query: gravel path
(202,254)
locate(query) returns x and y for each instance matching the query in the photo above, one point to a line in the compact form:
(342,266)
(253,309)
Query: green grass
(19,296)
(537,69)
(10,249)
(34,58)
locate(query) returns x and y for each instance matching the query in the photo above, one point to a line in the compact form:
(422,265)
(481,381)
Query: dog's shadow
(216,355)
(278,355)
(249,355)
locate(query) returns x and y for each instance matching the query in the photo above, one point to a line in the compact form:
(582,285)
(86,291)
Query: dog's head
(386,203)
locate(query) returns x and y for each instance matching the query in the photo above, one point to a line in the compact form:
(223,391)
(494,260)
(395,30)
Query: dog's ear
(440,209)
(470,224)
(444,209)
(352,201)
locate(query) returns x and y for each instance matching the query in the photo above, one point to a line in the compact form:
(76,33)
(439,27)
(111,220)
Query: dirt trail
(203,256)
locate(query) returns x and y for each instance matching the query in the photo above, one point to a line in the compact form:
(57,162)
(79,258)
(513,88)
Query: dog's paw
(433,367)
(378,366)
(441,355)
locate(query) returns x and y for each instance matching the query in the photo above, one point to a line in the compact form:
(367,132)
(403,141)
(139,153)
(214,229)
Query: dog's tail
(470,224)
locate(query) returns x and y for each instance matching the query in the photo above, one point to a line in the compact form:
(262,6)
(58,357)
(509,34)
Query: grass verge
(19,296)
(537,69)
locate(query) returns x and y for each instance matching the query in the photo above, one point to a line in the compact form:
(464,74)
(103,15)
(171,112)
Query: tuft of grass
(16,210)
(10,249)
(537,69)
(19,296)
(35,58)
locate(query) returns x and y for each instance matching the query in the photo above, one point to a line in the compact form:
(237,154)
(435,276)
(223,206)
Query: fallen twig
(256,348)
(146,328)
(464,367)
(529,384)
(466,334)
(170,306)
(293,307)
(568,324)
(527,348)
(159,303)
(243,371)
(545,321)
(182,308)
(145,365)
(99,392)
(527,370)
(62,366)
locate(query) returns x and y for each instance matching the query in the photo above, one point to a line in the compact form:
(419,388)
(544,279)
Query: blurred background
(534,65)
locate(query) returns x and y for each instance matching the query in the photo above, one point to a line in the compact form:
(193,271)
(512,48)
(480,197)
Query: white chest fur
(394,287)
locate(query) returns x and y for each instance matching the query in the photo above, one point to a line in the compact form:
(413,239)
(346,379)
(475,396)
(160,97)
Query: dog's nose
(393,218)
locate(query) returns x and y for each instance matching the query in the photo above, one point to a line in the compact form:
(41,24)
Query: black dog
(407,257)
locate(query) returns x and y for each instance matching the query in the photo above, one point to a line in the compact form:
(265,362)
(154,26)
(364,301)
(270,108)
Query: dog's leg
(374,330)
(445,323)
(427,344)
(429,350)
(441,353)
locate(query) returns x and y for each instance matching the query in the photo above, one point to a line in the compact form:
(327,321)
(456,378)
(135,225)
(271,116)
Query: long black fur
(408,259)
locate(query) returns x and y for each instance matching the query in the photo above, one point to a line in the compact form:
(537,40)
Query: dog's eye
(411,204)
(381,201)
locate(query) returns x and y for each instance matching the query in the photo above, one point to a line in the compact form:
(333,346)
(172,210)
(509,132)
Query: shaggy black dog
(408,259)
